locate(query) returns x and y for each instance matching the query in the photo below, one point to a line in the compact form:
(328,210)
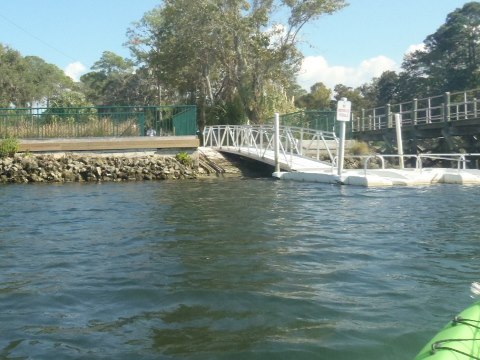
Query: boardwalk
(109,143)
(443,116)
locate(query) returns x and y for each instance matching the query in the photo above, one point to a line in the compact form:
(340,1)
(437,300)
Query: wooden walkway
(442,116)
(109,143)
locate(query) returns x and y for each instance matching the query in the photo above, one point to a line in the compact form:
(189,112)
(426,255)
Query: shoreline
(112,167)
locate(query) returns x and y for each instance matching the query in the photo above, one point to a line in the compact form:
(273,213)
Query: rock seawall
(28,168)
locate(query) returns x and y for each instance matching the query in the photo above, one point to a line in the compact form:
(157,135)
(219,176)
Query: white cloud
(415,47)
(317,69)
(75,70)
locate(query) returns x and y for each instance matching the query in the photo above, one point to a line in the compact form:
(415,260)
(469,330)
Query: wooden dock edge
(108,143)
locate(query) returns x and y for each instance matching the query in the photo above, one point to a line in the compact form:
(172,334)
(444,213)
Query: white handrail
(258,139)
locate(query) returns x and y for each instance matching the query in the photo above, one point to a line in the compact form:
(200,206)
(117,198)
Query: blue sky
(348,47)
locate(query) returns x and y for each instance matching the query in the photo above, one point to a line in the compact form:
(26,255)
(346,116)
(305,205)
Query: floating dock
(386,177)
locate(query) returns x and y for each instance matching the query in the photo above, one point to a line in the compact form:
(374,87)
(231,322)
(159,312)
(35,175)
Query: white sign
(343,110)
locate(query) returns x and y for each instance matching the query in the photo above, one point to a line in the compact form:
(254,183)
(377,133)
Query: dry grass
(94,127)
(359,148)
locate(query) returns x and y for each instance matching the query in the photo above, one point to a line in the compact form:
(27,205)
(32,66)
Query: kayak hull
(458,340)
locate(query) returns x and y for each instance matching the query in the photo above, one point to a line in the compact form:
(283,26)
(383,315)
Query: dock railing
(259,139)
(458,161)
(448,107)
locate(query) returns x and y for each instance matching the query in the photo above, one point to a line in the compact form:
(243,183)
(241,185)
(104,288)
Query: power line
(37,38)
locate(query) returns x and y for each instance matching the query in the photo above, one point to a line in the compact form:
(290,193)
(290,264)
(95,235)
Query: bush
(359,148)
(184,158)
(9,146)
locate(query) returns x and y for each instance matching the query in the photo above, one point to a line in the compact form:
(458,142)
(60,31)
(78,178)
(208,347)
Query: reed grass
(24,128)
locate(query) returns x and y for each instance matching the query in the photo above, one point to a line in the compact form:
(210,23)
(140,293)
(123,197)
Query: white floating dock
(386,177)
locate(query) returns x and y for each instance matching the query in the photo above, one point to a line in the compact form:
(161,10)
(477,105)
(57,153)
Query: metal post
(341,150)
(388,110)
(301,142)
(276,125)
(398,126)
(261,137)
(446,113)
(414,111)
(344,114)
(363,120)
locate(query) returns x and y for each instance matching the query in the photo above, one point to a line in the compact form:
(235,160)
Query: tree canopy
(451,55)
(238,63)
(219,53)
(26,80)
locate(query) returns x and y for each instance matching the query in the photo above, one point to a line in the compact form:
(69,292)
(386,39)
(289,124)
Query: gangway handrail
(460,158)
(258,139)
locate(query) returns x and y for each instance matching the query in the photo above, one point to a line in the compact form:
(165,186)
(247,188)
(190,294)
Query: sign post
(344,108)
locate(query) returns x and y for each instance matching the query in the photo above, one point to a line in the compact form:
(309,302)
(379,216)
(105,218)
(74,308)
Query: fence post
(414,112)
(474,107)
(446,112)
(388,110)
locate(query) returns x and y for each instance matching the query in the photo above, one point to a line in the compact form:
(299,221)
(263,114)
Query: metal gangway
(300,148)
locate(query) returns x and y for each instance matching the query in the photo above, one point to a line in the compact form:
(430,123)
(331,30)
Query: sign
(343,110)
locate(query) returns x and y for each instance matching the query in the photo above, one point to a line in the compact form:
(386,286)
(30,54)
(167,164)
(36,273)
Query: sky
(349,47)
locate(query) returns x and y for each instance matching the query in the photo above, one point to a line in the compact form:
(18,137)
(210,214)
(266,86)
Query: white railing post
(276,126)
(398,126)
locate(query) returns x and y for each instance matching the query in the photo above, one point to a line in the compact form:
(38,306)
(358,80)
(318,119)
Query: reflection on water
(231,269)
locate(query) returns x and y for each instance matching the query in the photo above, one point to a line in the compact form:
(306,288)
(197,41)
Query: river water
(232,269)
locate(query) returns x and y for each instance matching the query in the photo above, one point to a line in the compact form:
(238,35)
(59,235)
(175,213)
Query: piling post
(398,126)
(276,126)
(363,120)
(414,112)
(446,112)
(388,110)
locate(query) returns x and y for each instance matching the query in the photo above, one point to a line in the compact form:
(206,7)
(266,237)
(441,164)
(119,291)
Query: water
(232,269)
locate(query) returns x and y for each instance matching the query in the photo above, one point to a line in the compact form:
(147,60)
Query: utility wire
(37,38)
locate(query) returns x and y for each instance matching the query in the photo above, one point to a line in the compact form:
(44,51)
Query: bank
(63,167)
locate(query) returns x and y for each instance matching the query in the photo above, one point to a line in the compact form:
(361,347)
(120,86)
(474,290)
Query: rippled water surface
(232,269)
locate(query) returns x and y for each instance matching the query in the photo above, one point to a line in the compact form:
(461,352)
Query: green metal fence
(98,121)
(324,120)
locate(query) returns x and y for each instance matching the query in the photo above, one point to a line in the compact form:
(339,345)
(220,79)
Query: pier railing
(443,108)
(259,139)
(458,161)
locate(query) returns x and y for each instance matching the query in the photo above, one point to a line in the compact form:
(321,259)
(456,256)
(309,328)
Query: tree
(355,95)
(386,88)
(450,59)
(12,67)
(319,98)
(219,52)
(25,80)
(69,107)
(46,80)
(114,81)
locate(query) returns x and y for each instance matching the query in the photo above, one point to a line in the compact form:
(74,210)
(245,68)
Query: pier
(296,154)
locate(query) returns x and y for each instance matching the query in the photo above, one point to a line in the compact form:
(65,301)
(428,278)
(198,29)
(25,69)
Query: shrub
(359,148)
(184,158)
(9,146)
